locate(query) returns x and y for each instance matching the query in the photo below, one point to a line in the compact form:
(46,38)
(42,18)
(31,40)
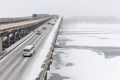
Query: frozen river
(87,52)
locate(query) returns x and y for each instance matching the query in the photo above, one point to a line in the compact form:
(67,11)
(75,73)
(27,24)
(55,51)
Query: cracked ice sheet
(83,64)
(86,63)
(90,35)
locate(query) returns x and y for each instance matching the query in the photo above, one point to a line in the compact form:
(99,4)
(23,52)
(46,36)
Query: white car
(28,50)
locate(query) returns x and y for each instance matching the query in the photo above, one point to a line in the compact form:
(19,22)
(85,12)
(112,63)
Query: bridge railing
(49,59)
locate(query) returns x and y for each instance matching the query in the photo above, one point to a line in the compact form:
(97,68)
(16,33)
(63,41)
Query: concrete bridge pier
(17,35)
(24,32)
(20,33)
(1,44)
(13,38)
(8,40)
(27,30)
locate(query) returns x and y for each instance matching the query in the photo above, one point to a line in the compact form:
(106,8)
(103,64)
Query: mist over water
(93,19)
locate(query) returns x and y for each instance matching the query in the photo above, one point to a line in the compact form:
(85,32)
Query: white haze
(14,8)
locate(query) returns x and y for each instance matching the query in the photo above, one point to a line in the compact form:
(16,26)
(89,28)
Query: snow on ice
(87,52)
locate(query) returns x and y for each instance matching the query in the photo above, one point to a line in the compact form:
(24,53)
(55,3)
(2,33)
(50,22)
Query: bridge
(15,34)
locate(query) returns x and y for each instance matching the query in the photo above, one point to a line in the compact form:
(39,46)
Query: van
(28,50)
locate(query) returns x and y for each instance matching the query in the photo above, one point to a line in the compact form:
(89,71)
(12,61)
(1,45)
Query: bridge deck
(15,25)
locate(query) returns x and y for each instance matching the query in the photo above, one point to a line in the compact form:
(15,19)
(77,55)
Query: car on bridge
(29,50)
(52,22)
(44,28)
(39,32)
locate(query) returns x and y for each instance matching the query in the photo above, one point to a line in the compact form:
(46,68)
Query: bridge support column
(20,34)
(24,33)
(1,45)
(17,35)
(14,37)
(8,40)
(27,30)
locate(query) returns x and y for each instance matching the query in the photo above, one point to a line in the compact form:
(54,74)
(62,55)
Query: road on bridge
(14,65)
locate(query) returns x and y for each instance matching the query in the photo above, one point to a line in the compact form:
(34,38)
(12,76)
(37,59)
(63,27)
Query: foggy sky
(16,8)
